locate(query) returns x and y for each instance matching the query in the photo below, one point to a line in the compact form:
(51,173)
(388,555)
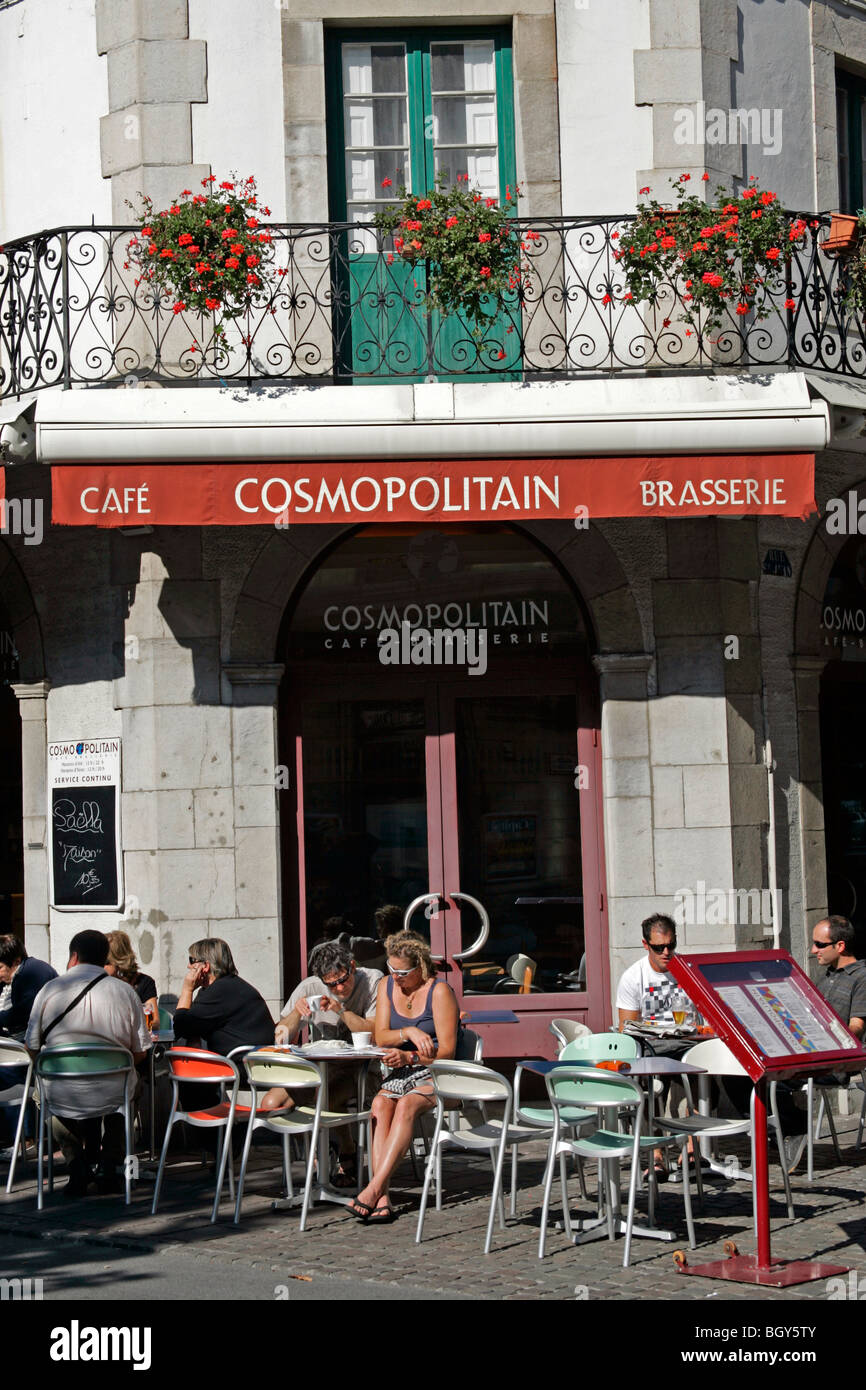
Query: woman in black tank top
(417,1020)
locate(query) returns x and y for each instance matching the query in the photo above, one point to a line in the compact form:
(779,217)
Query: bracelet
(402,1039)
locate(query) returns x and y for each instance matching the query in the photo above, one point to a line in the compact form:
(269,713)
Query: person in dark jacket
(26,976)
(228,1012)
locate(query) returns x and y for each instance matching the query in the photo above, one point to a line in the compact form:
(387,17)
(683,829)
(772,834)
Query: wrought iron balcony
(336,310)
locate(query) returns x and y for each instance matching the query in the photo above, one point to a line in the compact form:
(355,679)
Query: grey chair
(14,1055)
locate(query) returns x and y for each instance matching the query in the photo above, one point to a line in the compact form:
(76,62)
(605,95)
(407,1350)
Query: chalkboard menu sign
(84,821)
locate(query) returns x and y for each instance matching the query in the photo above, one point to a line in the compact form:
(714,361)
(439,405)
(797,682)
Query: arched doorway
(843,733)
(463,766)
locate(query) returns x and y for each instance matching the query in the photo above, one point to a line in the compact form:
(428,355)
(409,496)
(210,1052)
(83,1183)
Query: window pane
(366,170)
(376,121)
(374,67)
(463,67)
(481,165)
(842,145)
(464,120)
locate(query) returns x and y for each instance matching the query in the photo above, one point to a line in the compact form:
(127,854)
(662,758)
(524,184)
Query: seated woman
(228,1012)
(122,963)
(417,1020)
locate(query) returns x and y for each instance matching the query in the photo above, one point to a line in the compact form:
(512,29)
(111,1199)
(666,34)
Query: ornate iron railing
(336,310)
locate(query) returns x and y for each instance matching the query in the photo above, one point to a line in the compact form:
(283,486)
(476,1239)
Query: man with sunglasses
(345,1003)
(645,988)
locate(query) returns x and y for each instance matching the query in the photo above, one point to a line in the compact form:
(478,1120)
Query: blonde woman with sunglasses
(417,1021)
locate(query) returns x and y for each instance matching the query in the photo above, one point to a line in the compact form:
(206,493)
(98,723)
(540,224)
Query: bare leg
(394,1123)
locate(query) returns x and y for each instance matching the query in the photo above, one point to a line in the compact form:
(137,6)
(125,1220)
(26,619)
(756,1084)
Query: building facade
(653,708)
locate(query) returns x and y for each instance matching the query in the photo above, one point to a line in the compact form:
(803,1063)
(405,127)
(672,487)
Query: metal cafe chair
(585,1047)
(266,1069)
(14,1055)
(606,1093)
(565,1030)
(718,1060)
(82,1063)
(470,1083)
(193,1066)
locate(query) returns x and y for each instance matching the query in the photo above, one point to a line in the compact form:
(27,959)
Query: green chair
(586,1048)
(80,1064)
(606,1094)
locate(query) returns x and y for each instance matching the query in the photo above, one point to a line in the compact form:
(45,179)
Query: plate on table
(647,1029)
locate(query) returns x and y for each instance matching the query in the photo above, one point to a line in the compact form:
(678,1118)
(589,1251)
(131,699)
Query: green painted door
(406,106)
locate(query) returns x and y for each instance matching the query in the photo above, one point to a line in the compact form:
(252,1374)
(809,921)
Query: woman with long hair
(122,963)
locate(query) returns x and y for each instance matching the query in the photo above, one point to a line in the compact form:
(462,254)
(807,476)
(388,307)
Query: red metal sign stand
(761,1268)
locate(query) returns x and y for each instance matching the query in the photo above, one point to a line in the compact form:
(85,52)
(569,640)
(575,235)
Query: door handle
(413,908)
(485,925)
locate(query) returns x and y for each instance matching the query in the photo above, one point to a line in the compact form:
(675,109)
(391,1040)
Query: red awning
(233,494)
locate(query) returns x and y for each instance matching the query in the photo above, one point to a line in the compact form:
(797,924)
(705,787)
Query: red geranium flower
(790,303)
(229,186)
(483,236)
(232,263)
(484,271)
(773,253)
(212,303)
(386,183)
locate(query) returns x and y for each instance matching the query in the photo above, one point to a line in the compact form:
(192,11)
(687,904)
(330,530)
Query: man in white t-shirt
(347,1005)
(645,988)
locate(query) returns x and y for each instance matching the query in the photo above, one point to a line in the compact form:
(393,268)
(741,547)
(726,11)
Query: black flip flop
(382,1216)
(364,1214)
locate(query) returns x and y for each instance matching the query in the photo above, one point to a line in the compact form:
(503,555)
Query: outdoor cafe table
(642,1069)
(326,1057)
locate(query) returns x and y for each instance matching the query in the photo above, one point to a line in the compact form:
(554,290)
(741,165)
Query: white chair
(608,1094)
(565,1030)
(470,1083)
(14,1055)
(268,1069)
(816,1123)
(718,1060)
(74,1064)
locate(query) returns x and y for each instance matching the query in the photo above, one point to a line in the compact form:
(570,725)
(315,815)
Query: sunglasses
(333,984)
(668,946)
(401,973)
(193,961)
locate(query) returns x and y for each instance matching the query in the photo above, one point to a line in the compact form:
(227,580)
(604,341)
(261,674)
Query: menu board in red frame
(768,1012)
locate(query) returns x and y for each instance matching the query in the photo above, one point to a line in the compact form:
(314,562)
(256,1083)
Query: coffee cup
(313,1002)
(362,1039)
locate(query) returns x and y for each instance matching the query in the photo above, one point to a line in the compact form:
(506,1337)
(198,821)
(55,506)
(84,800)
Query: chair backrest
(600,1047)
(13,1054)
(197,1065)
(468,1081)
(470,1046)
(522,971)
(83,1061)
(716,1058)
(265,1067)
(565,1030)
(166,1022)
(567,1086)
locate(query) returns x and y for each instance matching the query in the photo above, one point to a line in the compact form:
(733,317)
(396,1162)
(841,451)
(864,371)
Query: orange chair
(195,1066)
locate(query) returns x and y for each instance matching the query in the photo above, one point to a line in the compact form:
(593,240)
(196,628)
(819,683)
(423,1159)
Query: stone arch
(286,557)
(19,611)
(808,662)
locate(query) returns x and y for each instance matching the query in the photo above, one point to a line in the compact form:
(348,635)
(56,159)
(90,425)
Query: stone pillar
(254,690)
(155,72)
(628,807)
(807,671)
(32,704)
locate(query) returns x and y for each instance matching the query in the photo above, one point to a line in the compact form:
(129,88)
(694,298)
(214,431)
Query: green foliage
(208,252)
(720,258)
(466,243)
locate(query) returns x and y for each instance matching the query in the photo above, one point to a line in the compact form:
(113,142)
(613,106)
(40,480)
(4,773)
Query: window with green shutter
(408,106)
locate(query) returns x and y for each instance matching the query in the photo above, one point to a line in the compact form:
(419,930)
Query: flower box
(843,235)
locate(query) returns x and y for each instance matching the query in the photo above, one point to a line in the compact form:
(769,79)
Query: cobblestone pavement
(830,1224)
